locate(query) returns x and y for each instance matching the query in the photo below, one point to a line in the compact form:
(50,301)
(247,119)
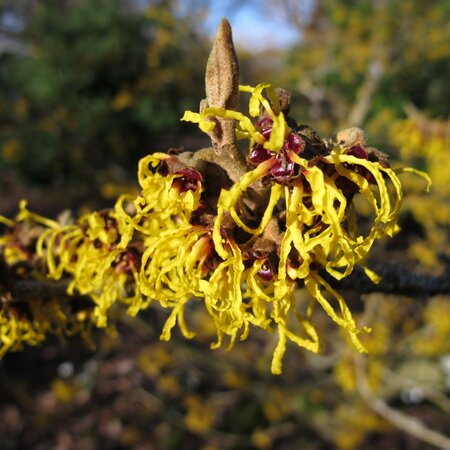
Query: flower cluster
(240,248)
(307,227)
(24,321)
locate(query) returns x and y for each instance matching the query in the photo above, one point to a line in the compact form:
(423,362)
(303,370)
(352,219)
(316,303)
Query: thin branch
(395,279)
(365,94)
(30,290)
(408,424)
(401,382)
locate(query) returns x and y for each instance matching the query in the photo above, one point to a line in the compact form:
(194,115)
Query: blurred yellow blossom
(434,338)
(276,405)
(11,151)
(123,99)
(153,360)
(351,424)
(425,142)
(262,440)
(64,390)
(200,414)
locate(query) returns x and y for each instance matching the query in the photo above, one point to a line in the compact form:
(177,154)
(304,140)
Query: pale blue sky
(253,28)
(255,25)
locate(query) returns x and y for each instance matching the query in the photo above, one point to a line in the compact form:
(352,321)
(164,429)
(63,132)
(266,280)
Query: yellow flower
(200,414)
(90,253)
(43,317)
(16,330)
(317,231)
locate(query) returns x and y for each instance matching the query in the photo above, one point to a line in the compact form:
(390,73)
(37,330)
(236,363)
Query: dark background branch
(395,279)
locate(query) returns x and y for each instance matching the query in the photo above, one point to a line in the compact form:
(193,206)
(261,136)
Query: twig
(366,92)
(435,396)
(29,289)
(406,423)
(395,279)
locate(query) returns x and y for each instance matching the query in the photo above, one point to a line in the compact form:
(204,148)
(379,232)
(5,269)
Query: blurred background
(88,87)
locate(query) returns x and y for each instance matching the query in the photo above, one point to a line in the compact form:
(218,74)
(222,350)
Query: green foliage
(97,86)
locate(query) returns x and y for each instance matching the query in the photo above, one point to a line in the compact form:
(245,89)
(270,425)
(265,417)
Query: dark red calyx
(361,153)
(224,234)
(163,168)
(266,272)
(111,222)
(259,154)
(128,261)
(97,243)
(266,126)
(294,143)
(358,151)
(191,174)
(189,180)
(284,168)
